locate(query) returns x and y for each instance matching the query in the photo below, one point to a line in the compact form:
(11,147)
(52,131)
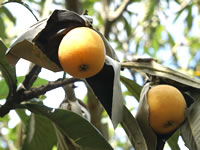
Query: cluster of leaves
(149,32)
(148,35)
(41,126)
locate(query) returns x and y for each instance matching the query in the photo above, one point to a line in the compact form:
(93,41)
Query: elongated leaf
(150,9)
(2,29)
(24,47)
(8,14)
(39,44)
(40,134)
(106,86)
(4,89)
(128,28)
(63,142)
(142,117)
(7,71)
(170,39)
(78,129)
(179,13)
(173,141)
(133,130)
(189,18)
(23,116)
(152,68)
(190,129)
(132,87)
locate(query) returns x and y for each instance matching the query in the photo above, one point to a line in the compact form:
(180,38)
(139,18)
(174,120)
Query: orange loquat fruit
(82,52)
(166,108)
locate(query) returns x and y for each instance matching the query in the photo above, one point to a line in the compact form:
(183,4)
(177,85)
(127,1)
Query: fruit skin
(82,52)
(166,108)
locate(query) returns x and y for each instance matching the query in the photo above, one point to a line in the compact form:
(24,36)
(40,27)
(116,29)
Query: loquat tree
(138,61)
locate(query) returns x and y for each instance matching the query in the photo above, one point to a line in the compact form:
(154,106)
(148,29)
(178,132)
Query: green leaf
(178,2)
(171,39)
(133,130)
(180,12)
(190,129)
(7,71)
(8,14)
(23,116)
(173,141)
(155,46)
(156,39)
(150,9)
(189,18)
(128,27)
(127,93)
(4,89)
(137,45)
(132,87)
(151,67)
(5,119)
(63,142)
(40,134)
(2,29)
(142,117)
(76,128)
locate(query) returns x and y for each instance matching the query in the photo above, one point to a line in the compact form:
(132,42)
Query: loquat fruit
(82,52)
(166,108)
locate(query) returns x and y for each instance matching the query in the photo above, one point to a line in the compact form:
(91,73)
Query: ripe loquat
(166,108)
(82,52)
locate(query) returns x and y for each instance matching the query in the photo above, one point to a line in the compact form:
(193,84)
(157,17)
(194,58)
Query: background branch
(46,9)
(24,95)
(112,17)
(74,5)
(37,91)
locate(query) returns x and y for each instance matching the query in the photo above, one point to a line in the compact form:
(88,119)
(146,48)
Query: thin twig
(113,16)
(41,90)
(31,76)
(25,95)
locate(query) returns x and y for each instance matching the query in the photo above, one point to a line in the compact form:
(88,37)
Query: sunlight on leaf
(72,125)
(8,72)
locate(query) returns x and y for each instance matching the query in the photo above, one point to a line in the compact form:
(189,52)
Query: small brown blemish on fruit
(169,124)
(83,67)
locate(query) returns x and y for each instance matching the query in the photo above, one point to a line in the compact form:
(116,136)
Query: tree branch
(74,5)
(41,90)
(25,95)
(46,8)
(112,17)
(31,76)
